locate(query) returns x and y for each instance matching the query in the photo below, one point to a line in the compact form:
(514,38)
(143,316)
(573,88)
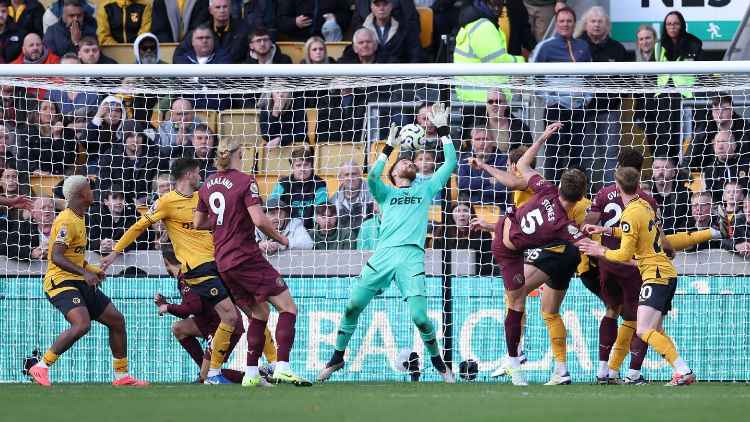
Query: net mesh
(124,132)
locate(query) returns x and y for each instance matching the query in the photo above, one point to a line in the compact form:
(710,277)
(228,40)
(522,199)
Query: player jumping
(641,240)
(71,285)
(194,249)
(232,200)
(399,254)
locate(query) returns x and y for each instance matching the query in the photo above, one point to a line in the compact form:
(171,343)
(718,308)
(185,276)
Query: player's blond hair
(628,179)
(224,151)
(73,185)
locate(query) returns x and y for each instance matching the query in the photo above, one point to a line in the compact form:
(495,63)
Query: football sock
(638,350)
(438,363)
(282,367)
(193,347)
(523,324)
(120,366)
(634,374)
(220,344)
(338,356)
(662,344)
(49,358)
(557,336)
(561,368)
(255,340)
(622,344)
(358,300)
(418,311)
(269,348)
(251,371)
(603,369)
(681,366)
(232,375)
(285,335)
(607,335)
(513,320)
(683,240)
(668,337)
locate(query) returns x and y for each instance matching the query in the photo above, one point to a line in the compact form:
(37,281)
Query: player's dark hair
(167,252)
(628,179)
(573,185)
(630,157)
(181,166)
(722,98)
(327,208)
(516,153)
(566,9)
(258,32)
(304,153)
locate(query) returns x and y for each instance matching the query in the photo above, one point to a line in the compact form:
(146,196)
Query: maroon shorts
(620,285)
(253,281)
(510,262)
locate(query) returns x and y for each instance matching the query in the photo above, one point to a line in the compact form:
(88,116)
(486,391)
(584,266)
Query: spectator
(514,22)
(397,43)
(258,14)
(282,119)
(603,143)
(503,127)
(146,49)
(671,195)
(110,219)
(27,14)
(201,49)
(204,149)
(12,105)
(676,44)
(302,190)
(367,237)
(106,128)
(727,164)
(426,162)
(42,138)
(732,198)
(13,182)
(176,130)
(34,52)
(315,52)
(353,200)
(300,19)
(364,48)
(457,234)
(90,53)
(645,43)
(701,218)
(6,146)
(68,101)
(65,36)
(10,37)
(645,103)
(159,186)
(232,33)
(293,228)
(171,20)
(740,239)
(541,13)
(54,12)
(723,118)
(328,233)
(263,50)
(479,185)
(430,131)
(565,148)
(133,164)
(404,11)
(28,240)
(122,21)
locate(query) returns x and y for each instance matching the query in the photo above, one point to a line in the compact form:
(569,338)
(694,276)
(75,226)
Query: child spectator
(279,212)
(302,190)
(457,234)
(426,162)
(327,233)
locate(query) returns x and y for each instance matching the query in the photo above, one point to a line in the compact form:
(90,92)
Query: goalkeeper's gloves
(392,141)
(439,115)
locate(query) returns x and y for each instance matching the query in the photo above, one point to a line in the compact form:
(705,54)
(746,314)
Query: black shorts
(658,296)
(80,294)
(559,260)
(590,280)
(212,291)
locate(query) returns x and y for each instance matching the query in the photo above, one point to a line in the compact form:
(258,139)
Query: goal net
(310,137)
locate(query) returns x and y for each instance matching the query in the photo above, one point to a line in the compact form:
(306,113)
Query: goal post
(122,125)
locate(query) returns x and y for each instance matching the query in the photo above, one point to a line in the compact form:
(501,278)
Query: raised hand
(393,138)
(475,163)
(550,130)
(439,115)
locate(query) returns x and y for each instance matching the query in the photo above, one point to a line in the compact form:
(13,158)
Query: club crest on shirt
(625,227)
(254,189)
(62,234)
(135,17)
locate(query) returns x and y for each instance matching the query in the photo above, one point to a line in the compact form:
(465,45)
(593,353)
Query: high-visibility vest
(481,42)
(660,54)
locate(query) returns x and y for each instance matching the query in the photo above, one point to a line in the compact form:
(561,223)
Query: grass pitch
(396,402)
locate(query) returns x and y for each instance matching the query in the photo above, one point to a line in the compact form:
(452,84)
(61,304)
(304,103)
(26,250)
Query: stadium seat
(266,183)
(295,50)
(375,149)
(312,124)
(210,117)
(43,185)
(243,124)
(248,158)
(490,213)
(453,187)
(329,157)
(697,184)
(425,23)
(435,214)
(275,161)
(332,184)
(123,53)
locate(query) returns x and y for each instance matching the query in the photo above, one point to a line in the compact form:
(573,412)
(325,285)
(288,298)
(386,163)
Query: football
(412,137)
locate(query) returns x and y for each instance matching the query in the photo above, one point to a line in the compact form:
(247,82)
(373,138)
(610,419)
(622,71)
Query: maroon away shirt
(608,202)
(226,195)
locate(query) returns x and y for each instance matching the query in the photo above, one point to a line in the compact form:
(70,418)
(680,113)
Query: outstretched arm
(379,189)
(524,163)
(507,179)
(439,115)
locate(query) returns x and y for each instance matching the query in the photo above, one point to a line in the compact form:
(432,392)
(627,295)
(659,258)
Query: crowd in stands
(125,143)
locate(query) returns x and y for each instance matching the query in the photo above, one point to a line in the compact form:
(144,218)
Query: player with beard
(399,254)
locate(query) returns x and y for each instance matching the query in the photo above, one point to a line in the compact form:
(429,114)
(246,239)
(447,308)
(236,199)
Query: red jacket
(52,58)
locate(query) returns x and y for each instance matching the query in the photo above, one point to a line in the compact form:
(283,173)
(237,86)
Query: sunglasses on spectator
(495,102)
(147,47)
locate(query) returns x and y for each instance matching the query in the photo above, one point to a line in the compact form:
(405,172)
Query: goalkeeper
(399,254)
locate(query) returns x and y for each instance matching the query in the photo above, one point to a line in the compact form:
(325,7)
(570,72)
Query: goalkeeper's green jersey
(405,210)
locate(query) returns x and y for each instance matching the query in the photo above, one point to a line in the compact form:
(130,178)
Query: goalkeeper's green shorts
(404,264)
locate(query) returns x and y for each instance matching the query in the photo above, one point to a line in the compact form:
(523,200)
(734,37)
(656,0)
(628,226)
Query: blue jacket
(187,56)
(479,183)
(555,50)
(57,38)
